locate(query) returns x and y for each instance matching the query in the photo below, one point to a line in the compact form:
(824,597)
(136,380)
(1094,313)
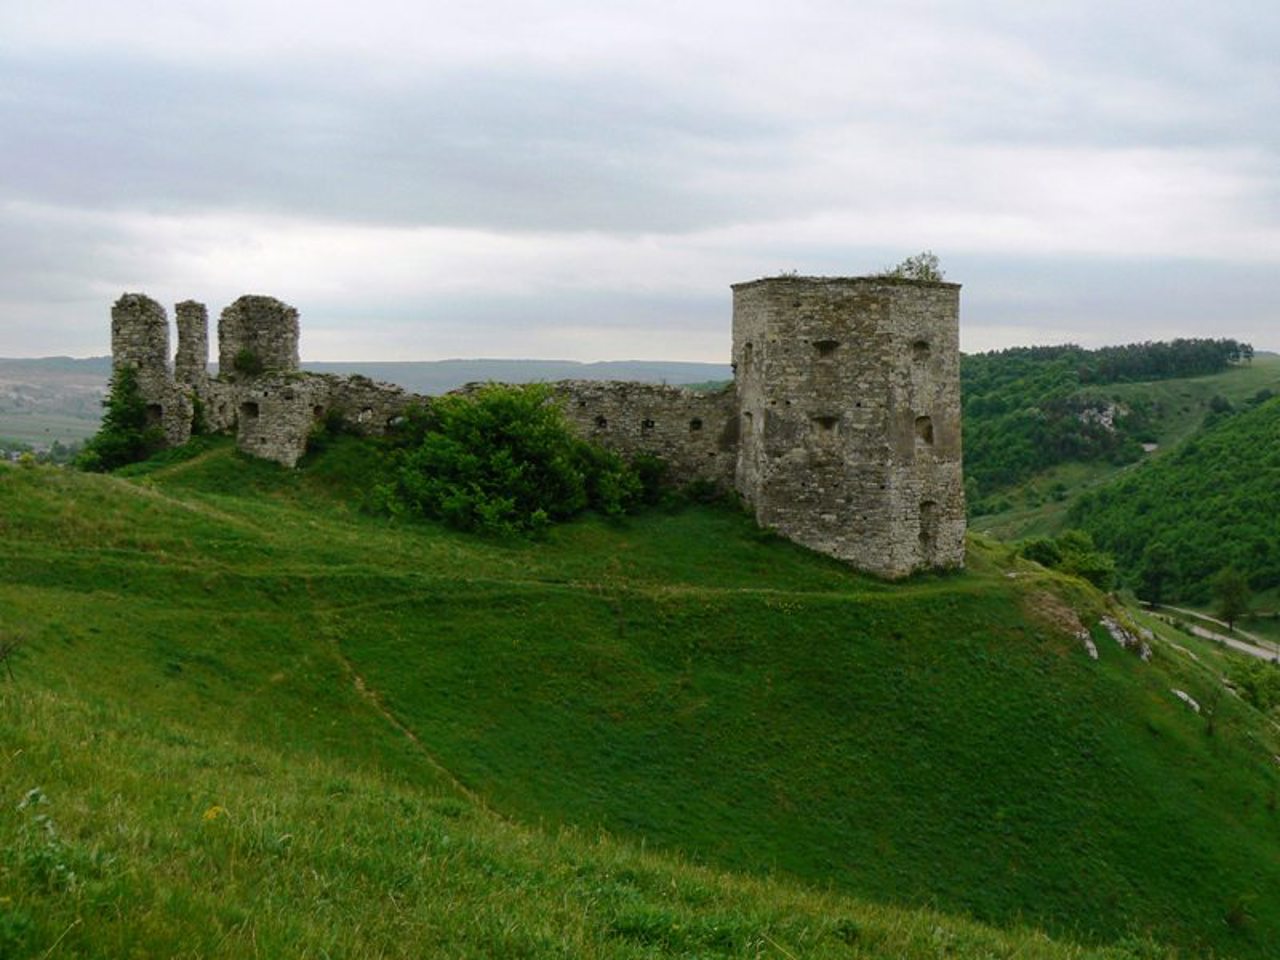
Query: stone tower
(257,335)
(191,365)
(849,399)
(140,339)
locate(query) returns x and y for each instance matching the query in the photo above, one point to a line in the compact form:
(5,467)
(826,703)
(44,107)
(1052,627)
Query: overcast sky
(583,180)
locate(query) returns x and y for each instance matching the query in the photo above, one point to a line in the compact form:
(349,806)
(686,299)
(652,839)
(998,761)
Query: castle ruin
(841,430)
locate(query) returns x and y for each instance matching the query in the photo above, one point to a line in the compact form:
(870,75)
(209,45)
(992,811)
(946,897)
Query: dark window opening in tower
(826,348)
(920,350)
(601,423)
(695,425)
(155,414)
(249,410)
(924,430)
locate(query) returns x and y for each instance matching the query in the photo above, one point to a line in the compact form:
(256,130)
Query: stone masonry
(841,430)
(849,394)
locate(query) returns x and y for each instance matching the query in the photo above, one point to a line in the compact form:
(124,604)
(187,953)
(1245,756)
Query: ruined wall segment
(275,414)
(191,365)
(140,336)
(140,339)
(257,335)
(694,432)
(849,406)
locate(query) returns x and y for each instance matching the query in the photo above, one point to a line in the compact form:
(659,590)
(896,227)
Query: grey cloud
(496,150)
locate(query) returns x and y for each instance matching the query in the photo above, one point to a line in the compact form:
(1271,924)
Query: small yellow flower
(214,812)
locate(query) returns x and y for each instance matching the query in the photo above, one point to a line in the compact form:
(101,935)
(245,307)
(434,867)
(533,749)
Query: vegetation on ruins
(921,266)
(264,723)
(247,363)
(502,459)
(127,434)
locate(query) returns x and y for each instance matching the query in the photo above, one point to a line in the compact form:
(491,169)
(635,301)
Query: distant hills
(439,376)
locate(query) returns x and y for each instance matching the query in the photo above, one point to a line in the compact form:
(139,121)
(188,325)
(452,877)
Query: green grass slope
(266,725)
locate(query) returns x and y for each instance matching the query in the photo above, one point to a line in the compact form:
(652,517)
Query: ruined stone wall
(849,398)
(842,429)
(257,332)
(366,406)
(274,415)
(695,433)
(140,339)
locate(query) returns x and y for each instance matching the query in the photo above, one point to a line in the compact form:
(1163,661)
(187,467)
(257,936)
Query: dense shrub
(1075,553)
(502,459)
(125,436)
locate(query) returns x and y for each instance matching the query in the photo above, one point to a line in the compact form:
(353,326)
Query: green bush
(247,363)
(503,460)
(125,436)
(1075,553)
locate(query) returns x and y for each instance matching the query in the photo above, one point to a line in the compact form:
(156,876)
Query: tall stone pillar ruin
(140,340)
(849,395)
(191,365)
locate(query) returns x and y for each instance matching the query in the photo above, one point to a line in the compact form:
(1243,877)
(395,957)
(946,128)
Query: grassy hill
(267,725)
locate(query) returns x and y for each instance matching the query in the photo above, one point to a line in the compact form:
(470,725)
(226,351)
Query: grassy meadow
(246,719)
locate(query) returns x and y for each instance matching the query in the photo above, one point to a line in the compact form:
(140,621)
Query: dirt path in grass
(1254,646)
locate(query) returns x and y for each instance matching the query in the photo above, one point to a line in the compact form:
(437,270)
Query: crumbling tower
(257,335)
(849,398)
(140,339)
(191,366)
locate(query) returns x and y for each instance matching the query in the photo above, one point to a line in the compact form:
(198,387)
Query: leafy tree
(1155,572)
(126,435)
(1231,595)
(503,460)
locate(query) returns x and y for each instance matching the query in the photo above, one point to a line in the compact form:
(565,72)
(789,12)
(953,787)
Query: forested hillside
(1027,409)
(1212,503)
